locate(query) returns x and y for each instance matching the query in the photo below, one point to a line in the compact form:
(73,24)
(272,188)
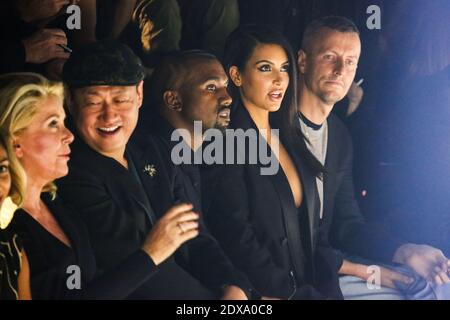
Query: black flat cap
(103,63)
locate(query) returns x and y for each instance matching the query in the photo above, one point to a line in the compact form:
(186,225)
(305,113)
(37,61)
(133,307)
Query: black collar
(309,123)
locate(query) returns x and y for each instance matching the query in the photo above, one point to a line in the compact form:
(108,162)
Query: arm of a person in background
(87,33)
(24,290)
(428,262)
(349,231)
(40,11)
(387,276)
(122,16)
(44,45)
(355,96)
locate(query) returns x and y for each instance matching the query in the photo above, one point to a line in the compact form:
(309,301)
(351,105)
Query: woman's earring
(7,212)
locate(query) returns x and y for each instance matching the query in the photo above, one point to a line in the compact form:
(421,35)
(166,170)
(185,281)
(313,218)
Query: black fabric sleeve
(204,258)
(350,232)
(227,217)
(123,280)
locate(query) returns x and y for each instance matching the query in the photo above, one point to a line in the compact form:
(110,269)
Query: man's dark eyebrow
(119,90)
(4,159)
(91,92)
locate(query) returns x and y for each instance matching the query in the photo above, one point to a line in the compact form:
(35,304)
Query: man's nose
(339,67)
(108,112)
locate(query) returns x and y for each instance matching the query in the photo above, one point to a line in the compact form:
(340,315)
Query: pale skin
(31,147)
(326,71)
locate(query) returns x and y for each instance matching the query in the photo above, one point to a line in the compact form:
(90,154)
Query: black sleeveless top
(10,264)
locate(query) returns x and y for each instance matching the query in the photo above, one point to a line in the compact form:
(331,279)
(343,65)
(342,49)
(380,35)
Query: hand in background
(428,262)
(37,10)
(43,46)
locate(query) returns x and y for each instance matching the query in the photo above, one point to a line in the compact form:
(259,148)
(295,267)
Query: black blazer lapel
(113,173)
(282,188)
(310,195)
(330,163)
(155,182)
(75,231)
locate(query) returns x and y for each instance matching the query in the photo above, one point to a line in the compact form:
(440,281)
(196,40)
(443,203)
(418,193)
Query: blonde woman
(62,263)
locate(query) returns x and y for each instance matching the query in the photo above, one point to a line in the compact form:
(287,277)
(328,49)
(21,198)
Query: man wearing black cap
(123,186)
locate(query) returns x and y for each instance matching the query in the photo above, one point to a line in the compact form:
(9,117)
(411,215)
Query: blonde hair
(20,95)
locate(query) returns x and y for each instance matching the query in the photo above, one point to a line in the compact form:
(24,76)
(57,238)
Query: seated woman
(14,268)
(62,263)
(267,223)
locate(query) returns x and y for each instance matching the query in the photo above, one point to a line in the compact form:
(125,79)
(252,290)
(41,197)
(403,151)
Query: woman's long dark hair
(239,47)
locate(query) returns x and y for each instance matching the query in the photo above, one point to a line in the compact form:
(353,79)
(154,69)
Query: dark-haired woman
(264,217)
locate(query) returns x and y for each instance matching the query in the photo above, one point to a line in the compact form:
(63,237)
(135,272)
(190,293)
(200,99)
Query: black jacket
(119,210)
(254,218)
(342,223)
(51,260)
(189,177)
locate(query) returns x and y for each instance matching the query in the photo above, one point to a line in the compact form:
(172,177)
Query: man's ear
(140,93)
(301,61)
(172,100)
(235,76)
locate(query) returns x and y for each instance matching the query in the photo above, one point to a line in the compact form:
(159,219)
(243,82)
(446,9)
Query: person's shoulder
(8,236)
(147,140)
(337,127)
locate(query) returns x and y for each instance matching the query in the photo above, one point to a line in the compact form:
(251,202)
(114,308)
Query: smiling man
(124,186)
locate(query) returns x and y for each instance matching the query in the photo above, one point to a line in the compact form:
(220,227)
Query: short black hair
(172,71)
(337,23)
(103,63)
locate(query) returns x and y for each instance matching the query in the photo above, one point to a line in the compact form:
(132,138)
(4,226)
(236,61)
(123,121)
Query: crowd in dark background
(401,130)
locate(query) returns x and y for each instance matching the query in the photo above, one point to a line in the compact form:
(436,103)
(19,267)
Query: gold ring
(181,227)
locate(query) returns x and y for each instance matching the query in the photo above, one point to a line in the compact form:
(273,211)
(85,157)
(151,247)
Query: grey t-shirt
(317,141)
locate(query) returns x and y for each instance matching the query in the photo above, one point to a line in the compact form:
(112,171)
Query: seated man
(198,92)
(122,184)
(327,63)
